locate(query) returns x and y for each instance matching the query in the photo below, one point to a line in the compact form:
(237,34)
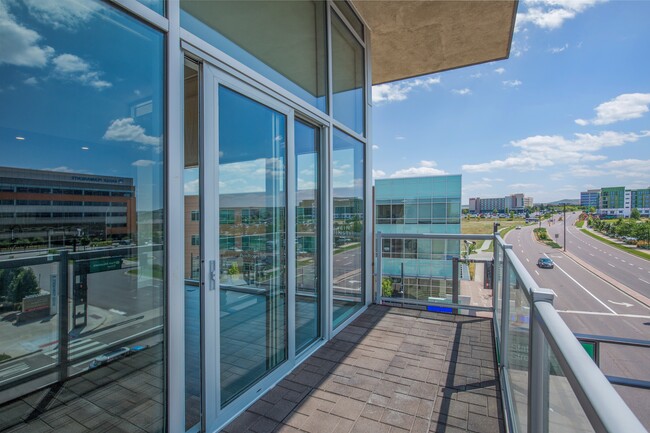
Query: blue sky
(566,112)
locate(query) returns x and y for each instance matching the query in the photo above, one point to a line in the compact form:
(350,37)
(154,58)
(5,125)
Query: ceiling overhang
(413,38)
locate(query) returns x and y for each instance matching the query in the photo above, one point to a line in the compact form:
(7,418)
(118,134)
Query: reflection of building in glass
(45,204)
(512,202)
(417,206)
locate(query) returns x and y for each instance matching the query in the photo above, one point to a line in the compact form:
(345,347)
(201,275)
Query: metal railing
(548,381)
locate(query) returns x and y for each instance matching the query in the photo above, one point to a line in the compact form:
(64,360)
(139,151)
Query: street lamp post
(564,220)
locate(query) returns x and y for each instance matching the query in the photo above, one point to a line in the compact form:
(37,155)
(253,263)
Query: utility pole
(564,218)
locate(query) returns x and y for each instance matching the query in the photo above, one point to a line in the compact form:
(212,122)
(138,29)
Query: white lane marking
(631,264)
(624,304)
(579,247)
(527,260)
(591,254)
(537,272)
(644,280)
(611,265)
(640,269)
(623,261)
(583,288)
(522,251)
(595,313)
(14,369)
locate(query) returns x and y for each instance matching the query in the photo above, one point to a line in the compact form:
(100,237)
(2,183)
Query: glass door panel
(307,150)
(252,241)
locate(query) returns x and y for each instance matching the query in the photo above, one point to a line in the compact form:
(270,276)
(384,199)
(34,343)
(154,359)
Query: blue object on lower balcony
(436,309)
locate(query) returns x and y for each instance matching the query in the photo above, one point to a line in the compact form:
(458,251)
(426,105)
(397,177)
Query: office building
(245,127)
(507,204)
(590,198)
(619,201)
(419,205)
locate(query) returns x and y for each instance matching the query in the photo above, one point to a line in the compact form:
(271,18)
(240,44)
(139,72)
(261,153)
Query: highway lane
(590,305)
(632,271)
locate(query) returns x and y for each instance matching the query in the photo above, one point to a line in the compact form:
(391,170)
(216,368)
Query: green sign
(105,264)
(591,347)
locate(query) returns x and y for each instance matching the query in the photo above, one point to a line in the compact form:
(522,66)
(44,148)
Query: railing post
(505,307)
(64,313)
(455,283)
(538,367)
(378,278)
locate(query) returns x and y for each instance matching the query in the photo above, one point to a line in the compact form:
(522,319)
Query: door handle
(212,274)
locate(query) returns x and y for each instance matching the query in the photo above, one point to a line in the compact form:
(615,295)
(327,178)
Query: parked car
(518,228)
(545,262)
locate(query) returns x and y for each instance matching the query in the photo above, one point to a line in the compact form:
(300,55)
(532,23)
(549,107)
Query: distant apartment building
(42,204)
(619,201)
(590,198)
(416,206)
(512,202)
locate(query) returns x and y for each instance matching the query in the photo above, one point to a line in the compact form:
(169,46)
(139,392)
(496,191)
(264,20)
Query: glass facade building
(183,204)
(419,205)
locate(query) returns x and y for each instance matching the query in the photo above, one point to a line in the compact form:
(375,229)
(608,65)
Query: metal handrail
(604,408)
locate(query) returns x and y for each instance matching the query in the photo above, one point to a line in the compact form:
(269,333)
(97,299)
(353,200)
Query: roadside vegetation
(542,236)
(632,232)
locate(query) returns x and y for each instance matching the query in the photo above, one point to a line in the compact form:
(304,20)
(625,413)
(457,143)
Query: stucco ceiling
(412,38)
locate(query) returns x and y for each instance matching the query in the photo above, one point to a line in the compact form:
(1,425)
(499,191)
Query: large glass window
(81,139)
(347,77)
(348,182)
(253,295)
(307,139)
(283,40)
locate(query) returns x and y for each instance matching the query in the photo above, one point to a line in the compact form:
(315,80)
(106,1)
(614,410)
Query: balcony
(482,350)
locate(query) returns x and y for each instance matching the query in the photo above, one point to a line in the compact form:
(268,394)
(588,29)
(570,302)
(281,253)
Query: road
(632,271)
(590,305)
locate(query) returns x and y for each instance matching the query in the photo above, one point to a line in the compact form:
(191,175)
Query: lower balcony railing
(548,381)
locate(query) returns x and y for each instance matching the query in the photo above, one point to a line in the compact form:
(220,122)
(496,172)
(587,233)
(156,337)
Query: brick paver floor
(391,370)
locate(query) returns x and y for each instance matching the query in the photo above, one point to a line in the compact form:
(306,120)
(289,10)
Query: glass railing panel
(435,272)
(565,414)
(518,349)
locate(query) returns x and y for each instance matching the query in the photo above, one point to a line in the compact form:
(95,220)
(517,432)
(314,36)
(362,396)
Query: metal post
(564,221)
(63,316)
(505,308)
(378,276)
(538,367)
(455,283)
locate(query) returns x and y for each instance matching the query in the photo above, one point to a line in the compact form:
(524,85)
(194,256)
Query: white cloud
(491,179)
(500,70)
(624,107)
(375,147)
(143,163)
(378,174)
(512,83)
(69,66)
(425,168)
(629,168)
(398,91)
(62,14)
(540,151)
(126,130)
(551,14)
(399,137)
(20,45)
(556,50)
(524,185)
(477,75)
(191,187)
(464,91)
(32,81)
(62,169)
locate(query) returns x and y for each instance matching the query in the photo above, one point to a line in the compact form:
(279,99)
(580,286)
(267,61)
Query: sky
(566,112)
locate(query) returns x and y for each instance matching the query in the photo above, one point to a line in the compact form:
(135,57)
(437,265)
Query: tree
(386,287)
(592,210)
(6,277)
(635,214)
(23,284)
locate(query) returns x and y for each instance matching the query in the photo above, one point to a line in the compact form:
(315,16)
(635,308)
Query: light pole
(564,221)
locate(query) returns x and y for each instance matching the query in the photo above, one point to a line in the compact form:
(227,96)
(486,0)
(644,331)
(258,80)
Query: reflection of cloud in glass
(19,44)
(143,163)
(126,130)
(342,170)
(307,174)
(191,181)
(249,176)
(63,169)
(62,14)
(71,67)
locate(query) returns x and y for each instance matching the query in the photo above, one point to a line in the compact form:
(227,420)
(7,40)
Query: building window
(196,240)
(194,215)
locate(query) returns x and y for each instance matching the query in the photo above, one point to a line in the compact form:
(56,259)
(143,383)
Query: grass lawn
(632,251)
(477,226)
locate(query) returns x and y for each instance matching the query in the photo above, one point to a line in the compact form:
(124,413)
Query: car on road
(109,357)
(518,228)
(545,262)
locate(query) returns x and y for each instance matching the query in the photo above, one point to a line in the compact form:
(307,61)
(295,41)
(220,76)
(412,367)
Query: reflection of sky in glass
(347,165)
(82,84)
